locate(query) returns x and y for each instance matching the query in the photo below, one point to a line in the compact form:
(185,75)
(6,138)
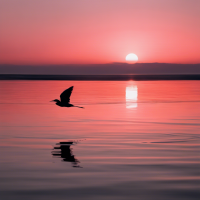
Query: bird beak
(51,101)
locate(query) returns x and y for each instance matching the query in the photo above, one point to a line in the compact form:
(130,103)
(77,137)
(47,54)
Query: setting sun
(131,57)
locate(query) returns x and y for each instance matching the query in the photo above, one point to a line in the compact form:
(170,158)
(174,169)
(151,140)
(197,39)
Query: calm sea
(133,140)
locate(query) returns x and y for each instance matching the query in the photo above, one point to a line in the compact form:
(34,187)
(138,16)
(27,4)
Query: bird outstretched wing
(65,96)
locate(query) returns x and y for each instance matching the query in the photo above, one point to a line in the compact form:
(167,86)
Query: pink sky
(99,31)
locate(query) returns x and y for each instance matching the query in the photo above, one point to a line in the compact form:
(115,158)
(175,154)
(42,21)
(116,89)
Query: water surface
(134,140)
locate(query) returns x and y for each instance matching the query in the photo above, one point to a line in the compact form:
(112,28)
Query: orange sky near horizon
(99,31)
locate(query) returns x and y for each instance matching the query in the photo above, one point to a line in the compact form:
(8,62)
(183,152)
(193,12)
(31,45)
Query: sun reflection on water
(131,95)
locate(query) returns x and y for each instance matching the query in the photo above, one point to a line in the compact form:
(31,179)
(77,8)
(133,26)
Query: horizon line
(111,63)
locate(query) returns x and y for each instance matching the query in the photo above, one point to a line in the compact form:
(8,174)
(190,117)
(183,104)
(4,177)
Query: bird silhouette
(65,99)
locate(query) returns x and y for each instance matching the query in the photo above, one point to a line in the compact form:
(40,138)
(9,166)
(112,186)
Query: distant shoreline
(100,77)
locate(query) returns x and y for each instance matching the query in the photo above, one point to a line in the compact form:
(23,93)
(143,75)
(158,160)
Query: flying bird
(65,99)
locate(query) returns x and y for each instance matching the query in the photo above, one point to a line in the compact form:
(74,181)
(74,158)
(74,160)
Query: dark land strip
(100,77)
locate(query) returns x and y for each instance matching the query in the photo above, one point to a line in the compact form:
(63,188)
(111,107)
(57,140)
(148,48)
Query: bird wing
(65,96)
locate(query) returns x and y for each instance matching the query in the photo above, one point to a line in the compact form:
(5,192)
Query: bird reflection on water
(63,150)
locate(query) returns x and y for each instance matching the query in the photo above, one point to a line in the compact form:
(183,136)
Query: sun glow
(131,58)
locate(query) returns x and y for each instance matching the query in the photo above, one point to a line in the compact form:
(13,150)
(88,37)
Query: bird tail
(78,106)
